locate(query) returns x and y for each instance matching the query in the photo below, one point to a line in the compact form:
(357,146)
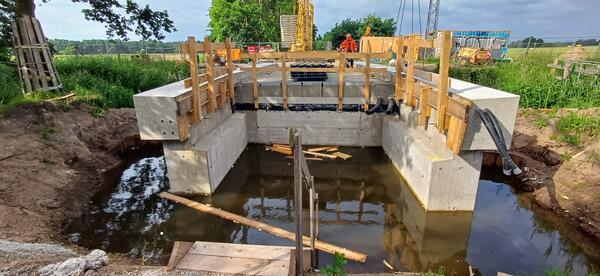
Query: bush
(530,78)
(10,86)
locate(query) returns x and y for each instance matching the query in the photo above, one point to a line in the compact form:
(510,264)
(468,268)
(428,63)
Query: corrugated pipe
(377,107)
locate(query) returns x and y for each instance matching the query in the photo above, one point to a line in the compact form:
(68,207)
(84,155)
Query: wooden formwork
(341,57)
(431,94)
(206,82)
(33,56)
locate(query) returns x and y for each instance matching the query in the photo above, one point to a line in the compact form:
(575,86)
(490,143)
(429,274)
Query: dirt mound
(568,176)
(574,53)
(51,163)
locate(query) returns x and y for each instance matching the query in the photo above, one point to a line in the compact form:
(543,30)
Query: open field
(518,53)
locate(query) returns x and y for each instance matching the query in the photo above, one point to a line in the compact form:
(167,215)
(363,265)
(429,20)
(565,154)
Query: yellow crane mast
(305,12)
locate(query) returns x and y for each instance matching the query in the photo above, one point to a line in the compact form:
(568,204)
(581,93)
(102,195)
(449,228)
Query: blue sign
(483,34)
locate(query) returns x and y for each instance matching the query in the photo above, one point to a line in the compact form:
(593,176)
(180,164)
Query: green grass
(519,53)
(104,82)
(573,128)
(529,77)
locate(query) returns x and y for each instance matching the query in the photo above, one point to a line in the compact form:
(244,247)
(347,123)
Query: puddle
(364,206)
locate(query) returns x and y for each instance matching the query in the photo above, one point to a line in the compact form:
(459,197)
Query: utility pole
(432,18)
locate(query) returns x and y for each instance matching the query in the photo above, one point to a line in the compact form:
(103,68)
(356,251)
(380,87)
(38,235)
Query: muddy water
(364,206)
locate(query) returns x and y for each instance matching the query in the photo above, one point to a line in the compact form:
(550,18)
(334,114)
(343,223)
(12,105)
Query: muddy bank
(564,180)
(52,161)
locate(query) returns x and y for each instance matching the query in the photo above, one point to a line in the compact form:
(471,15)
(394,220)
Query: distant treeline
(539,42)
(102,46)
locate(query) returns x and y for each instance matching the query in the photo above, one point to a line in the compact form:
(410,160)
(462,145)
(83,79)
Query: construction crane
(305,12)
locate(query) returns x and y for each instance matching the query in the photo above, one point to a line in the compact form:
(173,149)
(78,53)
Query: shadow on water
(364,206)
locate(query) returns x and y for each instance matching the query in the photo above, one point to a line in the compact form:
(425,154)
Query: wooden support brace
(456,134)
(284,80)
(222,94)
(444,79)
(196,113)
(254,83)
(399,62)
(230,84)
(210,76)
(424,108)
(410,72)
(367,93)
(341,68)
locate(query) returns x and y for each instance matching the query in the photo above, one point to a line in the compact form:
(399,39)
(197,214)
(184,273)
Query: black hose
(493,126)
(391,108)
(376,107)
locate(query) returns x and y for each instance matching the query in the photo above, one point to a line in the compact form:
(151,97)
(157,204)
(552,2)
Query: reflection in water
(363,206)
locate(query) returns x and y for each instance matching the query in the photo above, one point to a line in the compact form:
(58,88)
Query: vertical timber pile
(34,59)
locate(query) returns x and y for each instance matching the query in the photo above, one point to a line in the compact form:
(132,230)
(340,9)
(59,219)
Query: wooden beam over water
(282,233)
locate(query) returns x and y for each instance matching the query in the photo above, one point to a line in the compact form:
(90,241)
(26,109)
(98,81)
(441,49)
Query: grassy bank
(529,77)
(102,81)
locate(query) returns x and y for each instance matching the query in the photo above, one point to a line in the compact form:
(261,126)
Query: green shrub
(10,86)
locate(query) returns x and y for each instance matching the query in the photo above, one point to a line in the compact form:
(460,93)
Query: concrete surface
(318,127)
(440,180)
(199,165)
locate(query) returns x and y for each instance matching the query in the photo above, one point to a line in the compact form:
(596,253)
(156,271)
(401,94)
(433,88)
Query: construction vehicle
(473,55)
(305,13)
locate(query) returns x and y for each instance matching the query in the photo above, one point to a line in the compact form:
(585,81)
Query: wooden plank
(424,43)
(222,94)
(410,72)
(254,83)
(23,72)
(342,155)
(319,149)
(37,59)
(444,79)
(210,76)
(28,54)
(46,55)
(267,252)
(341,69)
(399,95)
(284,80)
(180,249)
(234,266)
(196,113)
(425,109)
(349,254)
(456,134)
(314,55)
(230,84)
(330,156)
(367,90)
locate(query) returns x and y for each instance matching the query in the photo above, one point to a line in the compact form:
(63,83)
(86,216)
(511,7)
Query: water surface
(364,206)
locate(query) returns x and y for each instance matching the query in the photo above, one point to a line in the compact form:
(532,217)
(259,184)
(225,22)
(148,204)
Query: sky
(550,19)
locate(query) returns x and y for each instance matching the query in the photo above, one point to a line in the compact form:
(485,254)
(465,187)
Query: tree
(119,19)
(248,20)
(357,27)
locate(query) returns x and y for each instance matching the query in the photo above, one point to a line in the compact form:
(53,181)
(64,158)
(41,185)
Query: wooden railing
(431,93)
(214,77)
(285,57)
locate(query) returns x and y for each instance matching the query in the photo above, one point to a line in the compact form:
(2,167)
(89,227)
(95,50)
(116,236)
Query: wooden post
(254,82)
(341,69)
(230,89)
(210,75)
(424,108)
(312,195)
(222,93)
(553,69)
(456,134)
(196,105)
(284,80)
(399,61)
(368,76)
(410,71)
(444,83)
(298,199)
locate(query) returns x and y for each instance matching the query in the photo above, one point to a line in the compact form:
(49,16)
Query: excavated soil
(51,164)
(564,180)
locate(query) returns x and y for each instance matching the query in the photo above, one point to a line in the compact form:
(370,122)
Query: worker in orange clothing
(349,46)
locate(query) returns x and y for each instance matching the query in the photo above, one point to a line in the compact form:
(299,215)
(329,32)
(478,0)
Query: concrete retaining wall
(438,178)
(318,127)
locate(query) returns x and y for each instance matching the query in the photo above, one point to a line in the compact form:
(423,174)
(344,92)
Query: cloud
(542,18)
